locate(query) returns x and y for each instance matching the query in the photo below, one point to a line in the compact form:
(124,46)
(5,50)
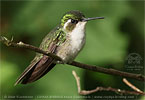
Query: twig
(139,77)
(108,71)
(26,46)
(132,86)
(77,80)
(86,92)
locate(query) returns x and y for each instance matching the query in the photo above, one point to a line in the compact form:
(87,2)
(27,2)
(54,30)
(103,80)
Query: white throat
(78,33)
(77,36)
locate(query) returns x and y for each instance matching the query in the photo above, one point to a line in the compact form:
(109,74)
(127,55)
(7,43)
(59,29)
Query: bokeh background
(108,44)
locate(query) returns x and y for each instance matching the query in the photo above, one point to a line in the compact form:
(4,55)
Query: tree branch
(86,92)
(132,86)
(109,71)
(139,77)
(27,46)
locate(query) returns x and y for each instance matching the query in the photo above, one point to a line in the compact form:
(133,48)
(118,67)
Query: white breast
(77,37)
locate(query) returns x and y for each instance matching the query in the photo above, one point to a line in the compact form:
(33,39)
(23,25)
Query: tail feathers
(33,76)
(36,71)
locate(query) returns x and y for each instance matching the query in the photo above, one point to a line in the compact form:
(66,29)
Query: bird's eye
(74,21)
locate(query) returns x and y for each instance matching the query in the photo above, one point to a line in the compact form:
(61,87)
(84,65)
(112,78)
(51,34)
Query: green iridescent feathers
(76,15)
(58,33)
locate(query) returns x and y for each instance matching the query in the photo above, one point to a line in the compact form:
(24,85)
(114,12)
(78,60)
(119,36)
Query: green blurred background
(108,43)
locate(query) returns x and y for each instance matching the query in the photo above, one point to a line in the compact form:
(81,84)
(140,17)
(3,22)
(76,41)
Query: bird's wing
(41,64)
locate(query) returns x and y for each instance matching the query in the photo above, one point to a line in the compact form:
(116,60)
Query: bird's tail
(36,70)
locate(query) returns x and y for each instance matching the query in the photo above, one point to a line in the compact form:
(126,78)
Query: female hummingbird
(66,40)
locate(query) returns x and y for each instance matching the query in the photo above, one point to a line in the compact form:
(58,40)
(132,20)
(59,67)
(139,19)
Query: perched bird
(66,40)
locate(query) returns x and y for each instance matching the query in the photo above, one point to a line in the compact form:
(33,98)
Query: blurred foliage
(108,43)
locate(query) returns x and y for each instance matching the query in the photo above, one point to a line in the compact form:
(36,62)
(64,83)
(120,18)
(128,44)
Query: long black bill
(93,18)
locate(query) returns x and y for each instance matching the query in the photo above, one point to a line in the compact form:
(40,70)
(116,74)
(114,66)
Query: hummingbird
(66,40)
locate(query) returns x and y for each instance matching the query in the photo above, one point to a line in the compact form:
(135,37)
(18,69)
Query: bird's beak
(93,18)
